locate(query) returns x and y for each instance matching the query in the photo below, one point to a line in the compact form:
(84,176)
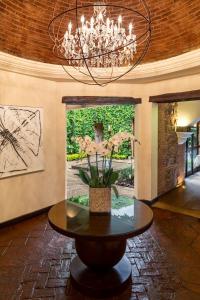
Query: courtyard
(75,187)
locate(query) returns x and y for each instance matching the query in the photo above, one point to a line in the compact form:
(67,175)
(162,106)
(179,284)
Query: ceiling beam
(176,97)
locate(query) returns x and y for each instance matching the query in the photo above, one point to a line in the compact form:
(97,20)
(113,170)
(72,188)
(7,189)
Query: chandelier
(100,46)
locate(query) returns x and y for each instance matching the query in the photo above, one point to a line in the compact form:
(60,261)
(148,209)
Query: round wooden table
(100,267)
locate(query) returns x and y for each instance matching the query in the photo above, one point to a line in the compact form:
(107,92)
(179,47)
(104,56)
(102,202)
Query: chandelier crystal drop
(101,42)
(98,36)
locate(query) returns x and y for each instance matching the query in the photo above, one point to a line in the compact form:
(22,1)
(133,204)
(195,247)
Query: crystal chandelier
(95,36)
(99,48)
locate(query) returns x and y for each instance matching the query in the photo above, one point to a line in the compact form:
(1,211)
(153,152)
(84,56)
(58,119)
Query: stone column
(167,147)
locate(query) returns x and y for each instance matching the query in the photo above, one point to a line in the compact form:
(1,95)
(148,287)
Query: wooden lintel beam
(94,100)
(176,97)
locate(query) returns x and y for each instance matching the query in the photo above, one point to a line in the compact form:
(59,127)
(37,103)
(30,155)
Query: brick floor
(34,261)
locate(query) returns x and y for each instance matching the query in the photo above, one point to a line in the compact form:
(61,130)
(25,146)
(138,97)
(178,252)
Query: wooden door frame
(78,102)
(99,100)
(176,97)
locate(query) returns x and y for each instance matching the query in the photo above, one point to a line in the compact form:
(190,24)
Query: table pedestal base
(100,283)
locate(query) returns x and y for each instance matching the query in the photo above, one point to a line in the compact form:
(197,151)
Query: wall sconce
(182,121)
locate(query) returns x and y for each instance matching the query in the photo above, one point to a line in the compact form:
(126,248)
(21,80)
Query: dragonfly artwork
(21,143)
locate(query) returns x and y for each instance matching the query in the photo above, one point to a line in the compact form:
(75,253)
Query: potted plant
(100,176)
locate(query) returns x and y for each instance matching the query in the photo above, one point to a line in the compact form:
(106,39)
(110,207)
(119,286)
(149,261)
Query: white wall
(23,194)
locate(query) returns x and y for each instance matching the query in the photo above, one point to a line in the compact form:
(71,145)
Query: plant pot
(100,200)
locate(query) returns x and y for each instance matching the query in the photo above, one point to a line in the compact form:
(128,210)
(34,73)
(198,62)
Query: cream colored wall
(181,84)
(23,194)
(146,123)
(188,113)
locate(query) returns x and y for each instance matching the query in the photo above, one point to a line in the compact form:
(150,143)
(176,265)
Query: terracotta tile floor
(34,261)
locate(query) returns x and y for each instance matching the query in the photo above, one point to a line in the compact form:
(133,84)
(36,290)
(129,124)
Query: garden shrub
(127,173)
(75,156)
(120,156)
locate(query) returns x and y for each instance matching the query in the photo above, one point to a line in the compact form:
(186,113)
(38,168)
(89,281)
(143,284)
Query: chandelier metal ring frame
(97,80)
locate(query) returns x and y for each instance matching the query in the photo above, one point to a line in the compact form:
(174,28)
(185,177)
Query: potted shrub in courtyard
(101,177)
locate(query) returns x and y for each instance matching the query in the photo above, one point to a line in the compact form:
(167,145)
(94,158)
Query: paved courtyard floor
(75,187)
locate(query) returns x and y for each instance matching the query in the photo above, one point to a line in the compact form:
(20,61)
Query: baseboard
(25,217)
(153,201)
(150,202)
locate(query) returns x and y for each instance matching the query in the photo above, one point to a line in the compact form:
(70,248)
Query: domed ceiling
(24,23)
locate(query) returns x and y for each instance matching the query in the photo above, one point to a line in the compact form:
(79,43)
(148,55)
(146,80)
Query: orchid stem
(89,164)
(97,164)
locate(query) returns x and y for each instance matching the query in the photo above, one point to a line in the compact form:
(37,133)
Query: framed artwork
(21,140)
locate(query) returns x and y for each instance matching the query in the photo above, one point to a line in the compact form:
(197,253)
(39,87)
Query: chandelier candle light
(95,36)
(100,46)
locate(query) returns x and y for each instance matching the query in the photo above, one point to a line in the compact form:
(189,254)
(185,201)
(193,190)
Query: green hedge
(81,122)
(120,156)
(75,156)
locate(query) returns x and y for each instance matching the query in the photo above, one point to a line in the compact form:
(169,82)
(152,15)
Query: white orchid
(91,148)
(117,139)
(105,148)
(103,151)
(87,139)
(106,176)
(114,140)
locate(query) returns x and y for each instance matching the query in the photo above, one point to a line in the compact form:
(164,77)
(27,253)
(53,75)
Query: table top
(77,222)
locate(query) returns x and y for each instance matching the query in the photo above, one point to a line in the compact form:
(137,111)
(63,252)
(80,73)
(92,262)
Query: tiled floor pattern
(34,261)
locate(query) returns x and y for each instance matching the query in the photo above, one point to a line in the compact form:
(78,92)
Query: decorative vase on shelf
(100,200)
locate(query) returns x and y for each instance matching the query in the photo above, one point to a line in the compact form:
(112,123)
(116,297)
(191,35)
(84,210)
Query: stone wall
(167,147)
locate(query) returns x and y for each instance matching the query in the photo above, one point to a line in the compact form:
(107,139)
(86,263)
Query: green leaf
(94,176)
(93,183)
(94,171)
(115,191)
(84,176)
(113,178)
(107,174)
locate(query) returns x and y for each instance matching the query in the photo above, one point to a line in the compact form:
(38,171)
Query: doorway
(100,128)
(192,150)
(179,149)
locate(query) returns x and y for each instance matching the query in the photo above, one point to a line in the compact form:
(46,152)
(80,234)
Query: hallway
(185,199)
